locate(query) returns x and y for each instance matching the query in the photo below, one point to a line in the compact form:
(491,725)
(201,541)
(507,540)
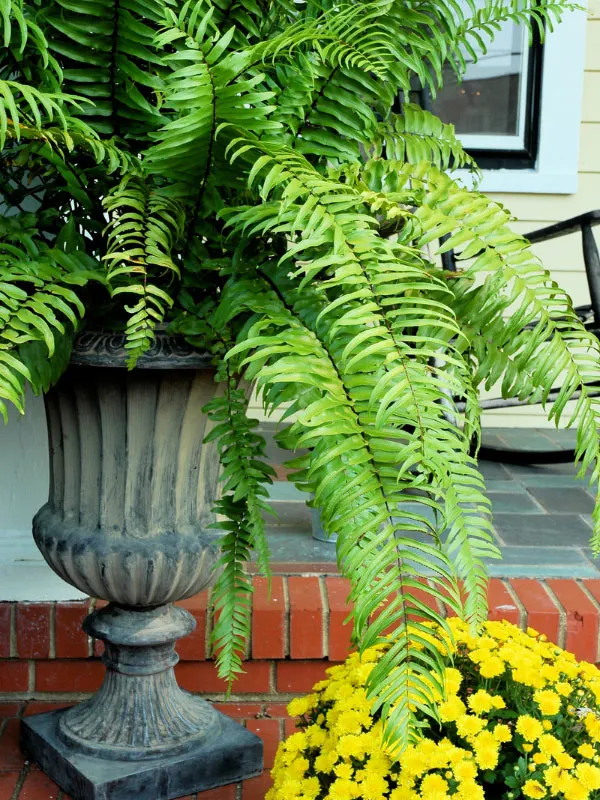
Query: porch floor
(541,514)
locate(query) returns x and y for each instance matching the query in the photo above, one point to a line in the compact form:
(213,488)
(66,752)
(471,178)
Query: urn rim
(96,348)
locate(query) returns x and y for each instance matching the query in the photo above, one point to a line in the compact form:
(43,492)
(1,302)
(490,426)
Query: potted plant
(519,718)
(237,172)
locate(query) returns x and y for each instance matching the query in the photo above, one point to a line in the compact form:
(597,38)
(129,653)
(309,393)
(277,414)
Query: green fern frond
(417,135)
(142,234)
(106,49)
(23,104)
(244,478)
(377,553)
(203,94)
(38,304)
(477,31)
(522,327)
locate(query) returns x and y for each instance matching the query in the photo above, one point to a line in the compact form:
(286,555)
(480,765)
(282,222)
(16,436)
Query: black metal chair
(589,315)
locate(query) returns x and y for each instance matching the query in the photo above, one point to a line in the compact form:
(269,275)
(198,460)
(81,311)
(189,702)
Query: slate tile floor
(542,514)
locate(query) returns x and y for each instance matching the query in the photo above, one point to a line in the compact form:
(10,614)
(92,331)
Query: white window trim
(560,117)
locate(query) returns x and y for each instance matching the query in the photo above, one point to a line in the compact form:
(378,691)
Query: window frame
(559,121)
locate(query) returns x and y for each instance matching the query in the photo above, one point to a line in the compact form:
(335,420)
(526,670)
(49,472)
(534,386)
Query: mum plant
(243,172)
(520,718)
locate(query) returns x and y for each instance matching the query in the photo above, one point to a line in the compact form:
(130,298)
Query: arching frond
(242,505)
(144,230)
(106,49)
(203,93)
(417,135)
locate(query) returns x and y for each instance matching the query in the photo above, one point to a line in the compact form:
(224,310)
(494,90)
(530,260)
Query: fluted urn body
(131,483)
(128,520)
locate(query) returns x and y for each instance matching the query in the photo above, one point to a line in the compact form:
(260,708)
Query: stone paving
(542,514)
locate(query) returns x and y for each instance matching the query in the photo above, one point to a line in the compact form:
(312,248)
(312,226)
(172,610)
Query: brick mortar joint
(13,630)
(523,616)
(287,636)
(562,613)
(325,617)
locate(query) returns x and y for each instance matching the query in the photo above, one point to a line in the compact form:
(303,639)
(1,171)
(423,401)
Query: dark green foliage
(243,171)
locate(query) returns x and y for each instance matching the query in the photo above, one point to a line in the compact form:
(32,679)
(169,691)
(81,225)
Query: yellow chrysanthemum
(502,733)
(300,705)
(468,726)
(434,787)
(373,787)
(465,771)
(452,709)
(492,667)
(529,728)
(589,775)
(574,789)
(548,702)
(550,744)
(481,702)
(586,750)
(533,789)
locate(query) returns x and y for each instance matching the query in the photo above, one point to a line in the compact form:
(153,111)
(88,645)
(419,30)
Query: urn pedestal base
(140,736)
(235,755)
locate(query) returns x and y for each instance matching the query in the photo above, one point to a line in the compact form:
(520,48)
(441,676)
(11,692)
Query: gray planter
(131,491)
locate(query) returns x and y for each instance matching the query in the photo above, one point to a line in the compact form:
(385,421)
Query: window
(523,126)
(496,107)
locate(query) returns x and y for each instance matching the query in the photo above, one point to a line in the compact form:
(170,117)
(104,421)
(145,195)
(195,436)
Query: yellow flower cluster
(519,718)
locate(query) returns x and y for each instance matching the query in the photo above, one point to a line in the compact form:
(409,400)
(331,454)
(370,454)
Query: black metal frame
(589,314)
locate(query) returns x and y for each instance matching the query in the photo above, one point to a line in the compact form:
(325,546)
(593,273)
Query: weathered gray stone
(235,754)
(128,520)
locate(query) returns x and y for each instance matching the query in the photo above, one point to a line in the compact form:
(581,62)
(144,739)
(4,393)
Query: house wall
(563,257)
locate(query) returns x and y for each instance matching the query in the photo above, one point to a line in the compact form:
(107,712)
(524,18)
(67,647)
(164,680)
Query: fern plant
(244,173)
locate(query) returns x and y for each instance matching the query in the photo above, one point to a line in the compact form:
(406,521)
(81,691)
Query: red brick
(69,676)
(289,727)
(193,647)
(70,640)
(98,648)
(300,676)
(240,710)
(8,782)
(9,710)
(340,631)
(256,788)
(38,787)
(276,710)
(501,604)
(14,676)
(5,611)
(269,732)
(582,619)
(33,630)
(220,793)
(542,613)
(36,707)
(202,677)
(10,755)
(268,619)
(306,618)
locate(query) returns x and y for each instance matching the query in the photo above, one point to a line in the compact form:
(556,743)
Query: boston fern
(244,172)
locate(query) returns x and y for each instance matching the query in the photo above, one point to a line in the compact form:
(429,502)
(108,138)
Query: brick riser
(297,634)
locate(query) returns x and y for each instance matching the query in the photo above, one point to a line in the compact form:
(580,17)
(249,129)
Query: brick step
(297,633)
(22,780)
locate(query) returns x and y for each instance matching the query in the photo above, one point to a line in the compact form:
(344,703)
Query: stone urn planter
(127,520)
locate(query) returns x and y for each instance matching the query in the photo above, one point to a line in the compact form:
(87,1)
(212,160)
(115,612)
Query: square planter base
(235,755)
